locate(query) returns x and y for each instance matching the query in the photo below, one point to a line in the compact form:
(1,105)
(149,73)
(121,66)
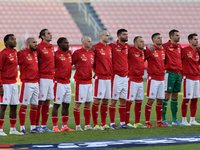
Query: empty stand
(21,17)
(144,19)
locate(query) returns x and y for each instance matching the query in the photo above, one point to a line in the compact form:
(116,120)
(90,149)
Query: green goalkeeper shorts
(172,82)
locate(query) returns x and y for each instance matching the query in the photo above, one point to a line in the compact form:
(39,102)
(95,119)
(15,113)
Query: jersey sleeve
(20,57)
(2,60)
(74,57)
(147,53)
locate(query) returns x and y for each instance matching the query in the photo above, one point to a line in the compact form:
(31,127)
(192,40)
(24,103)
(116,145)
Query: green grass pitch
(108,134)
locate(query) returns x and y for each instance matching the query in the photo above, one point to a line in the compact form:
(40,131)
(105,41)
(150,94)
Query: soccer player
(62,86)
(190,63)
(119,78)
(155,85)
(83,59)
(45,52)
(102,82)
(29,87)
(173,69)
(135,82)
(8,83)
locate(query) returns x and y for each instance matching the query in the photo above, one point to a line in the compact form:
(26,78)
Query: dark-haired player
(190,63)
(135,82)
(8,83)
(173,69)
(45,52)
(119,78)
(62,86)
(155,85)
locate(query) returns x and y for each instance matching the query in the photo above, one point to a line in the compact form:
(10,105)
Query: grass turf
(100,135)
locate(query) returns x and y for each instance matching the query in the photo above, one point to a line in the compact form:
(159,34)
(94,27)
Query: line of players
(118,71)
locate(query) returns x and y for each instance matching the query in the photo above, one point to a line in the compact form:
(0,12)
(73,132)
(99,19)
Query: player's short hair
(190,37)
(155,34)
(6,38)
(102,32)
(60,40)
(171,33)
(84,38)
(119,32)
(42,33)
(29,39)
(135,39)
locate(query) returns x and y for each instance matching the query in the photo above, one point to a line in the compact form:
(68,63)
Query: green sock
(165,101)
(174,109)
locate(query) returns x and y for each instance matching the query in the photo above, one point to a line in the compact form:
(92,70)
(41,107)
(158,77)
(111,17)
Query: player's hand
(114,42)
(92,49)
(76,66)
(151,47)
(1,90)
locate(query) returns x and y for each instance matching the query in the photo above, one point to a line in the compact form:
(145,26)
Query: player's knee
(3,108)
(105,101)
(113,102)
(167,95)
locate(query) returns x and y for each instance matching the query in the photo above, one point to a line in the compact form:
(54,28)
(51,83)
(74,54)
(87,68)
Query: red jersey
(8,66)
(190,62)
(103,61)
(46,60)
(173,57)
(28,65)
(120,58)
(85,61)
(156,63)
(63,65)
(135,64)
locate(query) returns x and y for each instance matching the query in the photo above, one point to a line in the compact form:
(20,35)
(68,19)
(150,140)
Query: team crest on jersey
(189,55)
(62,57)
(83,57)
(155,54)
(197,57)
(29,57)
(171,45)
(118,46)
(44,47)
(51,47)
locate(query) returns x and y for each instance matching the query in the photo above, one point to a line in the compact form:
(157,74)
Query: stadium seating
(30,17)
(146,18)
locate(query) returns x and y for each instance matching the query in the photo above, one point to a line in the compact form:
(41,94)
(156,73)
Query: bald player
(29,87)
(83,59)
(102,82)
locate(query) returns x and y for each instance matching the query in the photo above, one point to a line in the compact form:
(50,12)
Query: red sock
(122,113)
(1,123)
(193,107)
(13,122)
(103,111)
(86,113)
(112,110)
(137,110)
(22,115)
(55,120)
(184,107)
(65,119)
(159,112)
(38,114)
(33,115)
(128,108)
(95,111)
(148,112)
(77,116)
(45,114)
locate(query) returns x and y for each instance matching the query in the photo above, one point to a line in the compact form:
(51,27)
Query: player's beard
(33,49)
(123,39)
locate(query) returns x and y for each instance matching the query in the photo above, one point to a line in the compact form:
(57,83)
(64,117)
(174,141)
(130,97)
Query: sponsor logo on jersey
(83,57)
(29,57)
(155,54)
(189,55)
